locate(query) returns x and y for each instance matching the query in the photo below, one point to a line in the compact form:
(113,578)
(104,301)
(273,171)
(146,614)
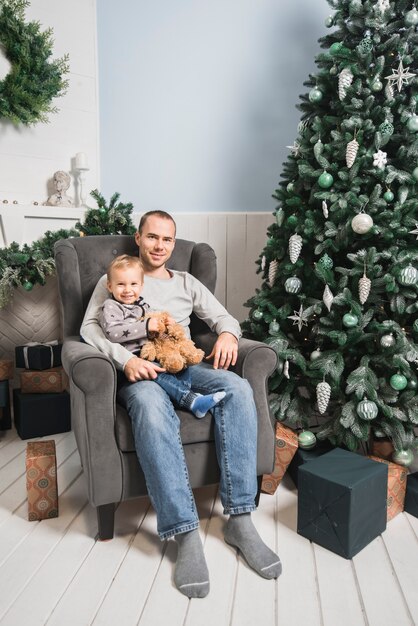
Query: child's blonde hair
(125,260)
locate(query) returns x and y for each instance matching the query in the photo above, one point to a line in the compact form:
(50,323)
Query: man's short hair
(158,213)
(123,261)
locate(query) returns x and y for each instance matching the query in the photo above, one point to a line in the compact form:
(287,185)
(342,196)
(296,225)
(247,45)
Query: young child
(122,319)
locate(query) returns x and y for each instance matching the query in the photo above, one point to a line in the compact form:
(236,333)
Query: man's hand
(224,352)
(140,369)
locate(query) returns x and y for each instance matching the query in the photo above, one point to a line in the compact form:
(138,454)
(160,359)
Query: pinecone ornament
(273,267)
(351,152)
(323,394)
(295,246)
(345,79)
(364,286)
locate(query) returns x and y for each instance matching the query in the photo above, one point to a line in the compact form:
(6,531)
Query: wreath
(33,81)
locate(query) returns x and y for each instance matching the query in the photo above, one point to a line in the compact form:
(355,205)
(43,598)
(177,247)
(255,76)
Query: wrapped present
(342,501)
(382,447)
(411,497)
(45,381)
(286,446)
(396,487)
(40,414)
(38,356)
(5,416)
(41,480)
(6,369)
(304,456)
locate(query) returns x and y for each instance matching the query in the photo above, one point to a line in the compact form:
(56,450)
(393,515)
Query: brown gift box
(6,369)
(41,480)
(383,448)
(53,380)
(396,487)
(286,446)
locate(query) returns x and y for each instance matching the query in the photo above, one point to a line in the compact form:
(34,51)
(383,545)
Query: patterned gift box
(41,480)
(397,476)
(53,380)
(38,356)
(286,446)
(411,498)
(6,369)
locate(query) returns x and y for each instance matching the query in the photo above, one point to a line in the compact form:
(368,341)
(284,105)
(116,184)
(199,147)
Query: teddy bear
(170,345)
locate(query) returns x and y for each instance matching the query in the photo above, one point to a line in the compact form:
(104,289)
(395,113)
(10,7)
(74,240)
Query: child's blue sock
(202,404)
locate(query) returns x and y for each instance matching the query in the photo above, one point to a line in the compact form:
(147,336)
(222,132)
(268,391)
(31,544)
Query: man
(156,426)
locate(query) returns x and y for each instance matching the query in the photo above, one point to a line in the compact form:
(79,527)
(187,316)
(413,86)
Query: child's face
(125,284)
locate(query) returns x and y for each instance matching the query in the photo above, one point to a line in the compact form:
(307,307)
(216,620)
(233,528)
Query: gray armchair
(102,428)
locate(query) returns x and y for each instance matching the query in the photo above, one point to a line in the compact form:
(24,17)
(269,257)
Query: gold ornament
(295,246)
(345,79)
(351,152)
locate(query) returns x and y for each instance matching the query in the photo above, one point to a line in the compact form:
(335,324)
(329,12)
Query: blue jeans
(177,386)
(156,430)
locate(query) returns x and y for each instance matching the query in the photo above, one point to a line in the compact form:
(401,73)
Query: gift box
(286,446)
(396,487)
(382,448)
(342,501)
(6,369)
(5,416)
(304,456)
(40,414)
(41,480)
(411,496)
(45,381)
(38,356)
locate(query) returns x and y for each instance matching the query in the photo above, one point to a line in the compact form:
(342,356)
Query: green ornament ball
(403,457)
(329,21)
(415,326)
(293,285)
(102,210)
(350,320)
(27,285)
(326,262)
(376,85)
(292,220)
(398,382)
(306,440)
(367,410)
(290,187)
(411,18)
(315,95)
(335,48)
(365,46)
(274,327)
(389,196)
(333,70)
(412,123)
(412,384)
(415,173)
(257,315)
(386,129)
(325,180)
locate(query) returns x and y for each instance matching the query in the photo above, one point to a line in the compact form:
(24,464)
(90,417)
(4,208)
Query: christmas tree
(338,301)
(114,219)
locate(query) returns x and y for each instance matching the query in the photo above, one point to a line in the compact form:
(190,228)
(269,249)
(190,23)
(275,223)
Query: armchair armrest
(93,408)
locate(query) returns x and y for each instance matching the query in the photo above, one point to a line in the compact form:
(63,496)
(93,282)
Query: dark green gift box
(304,456)
(40,414)
(411,497)
(5,418)
(342,501)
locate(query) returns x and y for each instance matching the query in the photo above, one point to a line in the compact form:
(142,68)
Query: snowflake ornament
(295,149)
(300,318)
(400,76)
(382,6)
(414,232)
(380,159)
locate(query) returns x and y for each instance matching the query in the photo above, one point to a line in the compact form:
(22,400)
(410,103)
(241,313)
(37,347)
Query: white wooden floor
(54,572)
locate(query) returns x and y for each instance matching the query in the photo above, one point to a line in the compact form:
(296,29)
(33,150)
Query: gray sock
(191,574)
(241,533)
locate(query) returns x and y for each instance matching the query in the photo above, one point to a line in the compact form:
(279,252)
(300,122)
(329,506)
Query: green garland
(33,81)
(29,265)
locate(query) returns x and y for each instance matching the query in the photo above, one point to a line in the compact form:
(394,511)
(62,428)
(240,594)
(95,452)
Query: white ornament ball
(315,354)
(361,223)
(387,341)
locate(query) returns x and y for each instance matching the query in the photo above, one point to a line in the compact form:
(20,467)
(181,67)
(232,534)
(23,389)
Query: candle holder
(81,167)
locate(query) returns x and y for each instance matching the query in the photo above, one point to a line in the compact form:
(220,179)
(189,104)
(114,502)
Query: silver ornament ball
(361,223)
(387,341)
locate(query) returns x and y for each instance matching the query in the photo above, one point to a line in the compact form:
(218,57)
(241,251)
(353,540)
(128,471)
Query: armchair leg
(257,497)
(106,521)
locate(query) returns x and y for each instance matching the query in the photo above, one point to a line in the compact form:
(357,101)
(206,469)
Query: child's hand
(153,325)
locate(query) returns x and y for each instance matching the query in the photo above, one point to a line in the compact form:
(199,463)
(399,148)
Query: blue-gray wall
(197,98)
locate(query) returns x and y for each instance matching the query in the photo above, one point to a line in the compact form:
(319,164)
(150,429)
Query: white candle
(81,161)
